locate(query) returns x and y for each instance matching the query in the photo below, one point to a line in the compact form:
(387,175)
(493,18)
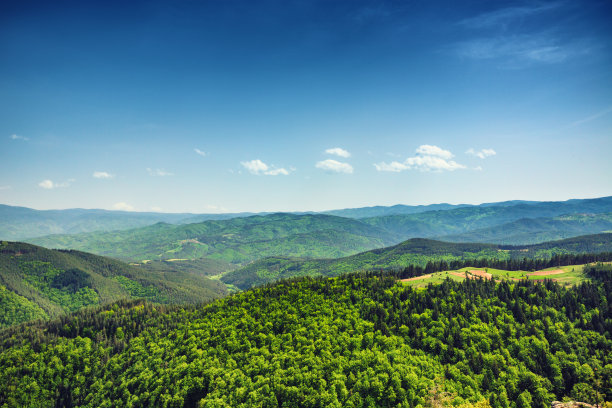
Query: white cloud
(393,166)
(484,153)
(19,137)
(429,150)
(257,167)
(200,152)
(216,209)
(276,172)
(121,206)
(334,166)
(428,158)
(338,151)
(159,172)
(102,175)
(48,184)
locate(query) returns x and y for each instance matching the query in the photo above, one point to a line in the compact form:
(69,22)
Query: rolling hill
(466,219)
(416,251)
(38,283)
(237,240)
(352,341)
(536,230)
(19,223)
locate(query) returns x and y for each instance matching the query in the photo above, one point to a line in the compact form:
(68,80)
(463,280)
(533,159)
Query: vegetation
(235,241)
(420,253)
(438,224)
(354,341)
(18,223)
(535,230)
(39,283)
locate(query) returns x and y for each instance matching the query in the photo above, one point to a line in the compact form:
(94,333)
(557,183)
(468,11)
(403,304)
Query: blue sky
(302,105)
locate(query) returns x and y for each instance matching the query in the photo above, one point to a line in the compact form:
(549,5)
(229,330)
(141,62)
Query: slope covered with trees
(354,341)
(237,240)
(40,283)
(414,252)
(461,220)
(536,230)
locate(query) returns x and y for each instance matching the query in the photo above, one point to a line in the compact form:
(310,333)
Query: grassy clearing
(566,275)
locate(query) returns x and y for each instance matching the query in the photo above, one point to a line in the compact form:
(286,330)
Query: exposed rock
(570,404)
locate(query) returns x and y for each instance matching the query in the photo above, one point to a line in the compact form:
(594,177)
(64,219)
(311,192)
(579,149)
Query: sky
(230,106)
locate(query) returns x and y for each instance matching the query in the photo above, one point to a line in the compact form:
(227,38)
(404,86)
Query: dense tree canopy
(357,340)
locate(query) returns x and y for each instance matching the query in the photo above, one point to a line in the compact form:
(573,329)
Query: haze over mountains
(176,261)
(17,223)
(244,239)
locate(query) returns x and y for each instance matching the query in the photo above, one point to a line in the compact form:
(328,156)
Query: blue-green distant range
(246,239)
(535,230)
(237,240)
(18,223)
(437,224)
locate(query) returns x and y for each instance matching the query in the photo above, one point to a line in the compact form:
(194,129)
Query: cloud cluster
(428,158)
(19,137)
(334,166)
(338,151)
(159,172)
(258,168)
(200,152)
(484,153)
(102,175)
(121,206)
(49,184)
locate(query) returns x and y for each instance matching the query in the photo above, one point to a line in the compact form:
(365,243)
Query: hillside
(355,341)
(40,283)
(416,251)
(236,240)
(536,230)
(461,220)
(19,223)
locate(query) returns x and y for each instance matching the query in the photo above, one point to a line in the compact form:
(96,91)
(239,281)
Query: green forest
(38,283)
(359,340)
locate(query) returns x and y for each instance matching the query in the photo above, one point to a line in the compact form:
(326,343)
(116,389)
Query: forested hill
(416,251)
(237,240)
(535,230)
(354,341)
(461,220)
(38,283)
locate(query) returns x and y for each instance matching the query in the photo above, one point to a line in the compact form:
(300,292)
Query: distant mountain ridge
(19,223)
(535,230)
(237,240)
(465,219)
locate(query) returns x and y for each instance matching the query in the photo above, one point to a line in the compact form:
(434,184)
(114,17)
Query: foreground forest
(353,341)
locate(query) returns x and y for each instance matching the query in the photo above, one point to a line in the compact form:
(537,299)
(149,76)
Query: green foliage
(418,252)
(237,240)
(536,230)
(600,271)
(135,289)
(16,309)
(354,341)
(47,283)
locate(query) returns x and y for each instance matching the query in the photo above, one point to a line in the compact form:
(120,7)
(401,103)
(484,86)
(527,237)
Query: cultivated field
(566,275)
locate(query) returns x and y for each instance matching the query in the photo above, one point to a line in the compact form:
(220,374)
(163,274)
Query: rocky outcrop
(570,404)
